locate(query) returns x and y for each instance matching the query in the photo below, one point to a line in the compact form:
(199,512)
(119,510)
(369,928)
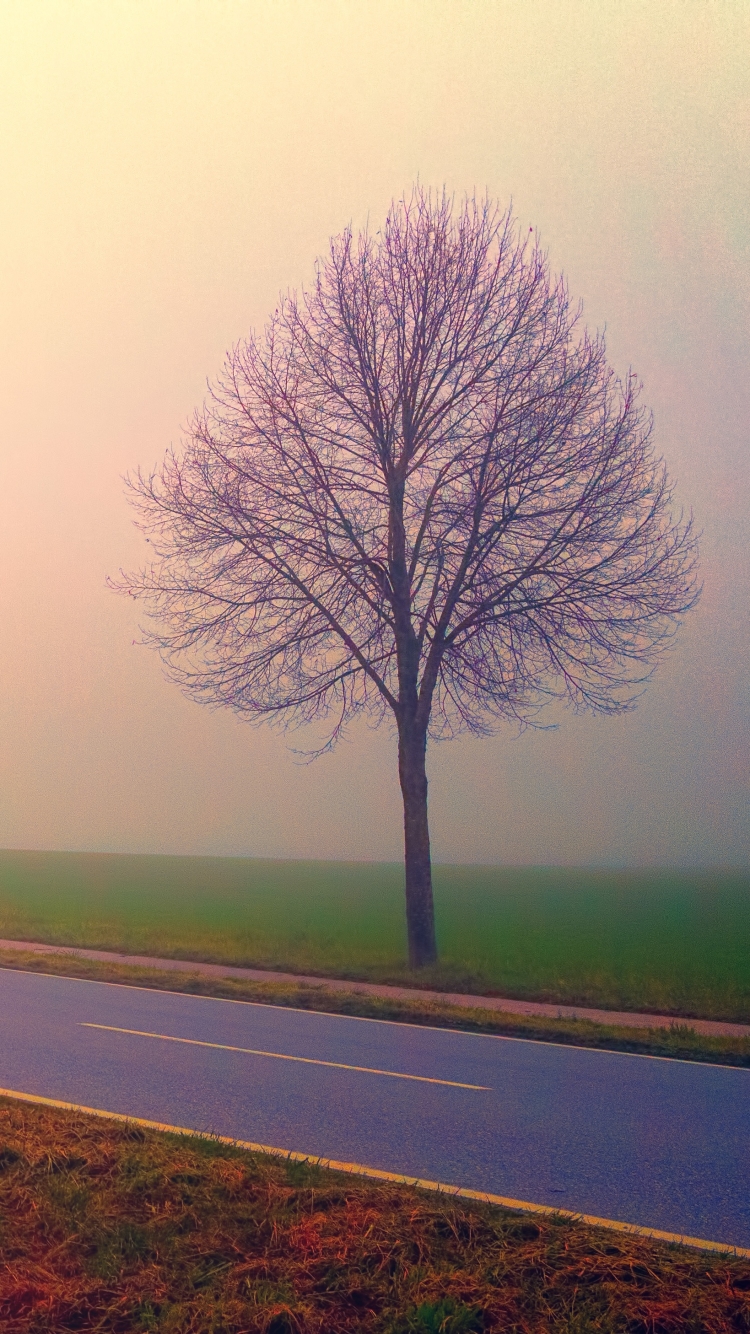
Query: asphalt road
(659,1143)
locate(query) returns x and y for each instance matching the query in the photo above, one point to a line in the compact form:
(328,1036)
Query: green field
(673,941)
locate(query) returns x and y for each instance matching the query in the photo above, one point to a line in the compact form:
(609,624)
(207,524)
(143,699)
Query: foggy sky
(166,167)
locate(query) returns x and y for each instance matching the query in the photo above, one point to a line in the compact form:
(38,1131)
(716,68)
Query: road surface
(661,1144)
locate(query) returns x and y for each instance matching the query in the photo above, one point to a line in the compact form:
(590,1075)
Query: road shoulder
(663,1038)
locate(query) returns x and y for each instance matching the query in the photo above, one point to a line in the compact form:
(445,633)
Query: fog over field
(166,169)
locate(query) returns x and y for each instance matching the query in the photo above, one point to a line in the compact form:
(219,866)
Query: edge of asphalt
(624,1018)
(377,1174)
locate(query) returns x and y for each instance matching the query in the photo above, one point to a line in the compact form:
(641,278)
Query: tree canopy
(421,493)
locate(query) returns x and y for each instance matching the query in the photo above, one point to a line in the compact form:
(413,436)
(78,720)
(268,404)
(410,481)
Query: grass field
(110,1227)
(677,942)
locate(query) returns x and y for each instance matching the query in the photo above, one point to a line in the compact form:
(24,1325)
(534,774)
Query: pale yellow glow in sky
(167,166)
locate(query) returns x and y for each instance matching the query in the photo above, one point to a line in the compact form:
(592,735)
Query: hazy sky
(166,166)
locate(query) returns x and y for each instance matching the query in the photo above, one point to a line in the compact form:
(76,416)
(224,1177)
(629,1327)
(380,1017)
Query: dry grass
(679,1040)
(109,1227)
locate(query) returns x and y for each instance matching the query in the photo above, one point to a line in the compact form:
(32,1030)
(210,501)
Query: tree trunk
(420,912)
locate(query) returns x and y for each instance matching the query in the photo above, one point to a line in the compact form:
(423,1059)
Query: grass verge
(678,1041)
(107,1226)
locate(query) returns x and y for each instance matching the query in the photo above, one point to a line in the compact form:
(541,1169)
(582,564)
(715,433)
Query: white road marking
(281,1056)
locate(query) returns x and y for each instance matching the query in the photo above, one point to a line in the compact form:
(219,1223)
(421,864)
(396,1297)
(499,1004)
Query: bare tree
(424,494)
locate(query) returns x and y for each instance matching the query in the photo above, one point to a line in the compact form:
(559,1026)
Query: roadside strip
(679,1041)
(386,991)
(376,1174)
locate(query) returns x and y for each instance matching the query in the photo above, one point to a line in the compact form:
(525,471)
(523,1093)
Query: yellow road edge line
(281,1056)
(377,1174)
